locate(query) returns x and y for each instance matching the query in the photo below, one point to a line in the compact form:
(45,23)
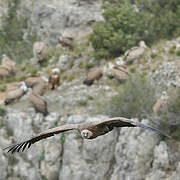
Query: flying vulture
(89,130)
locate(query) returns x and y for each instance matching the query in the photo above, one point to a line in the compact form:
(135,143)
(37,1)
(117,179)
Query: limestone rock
(167,74)
(161,156)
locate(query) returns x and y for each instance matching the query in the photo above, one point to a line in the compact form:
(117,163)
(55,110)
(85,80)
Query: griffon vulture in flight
(89,130)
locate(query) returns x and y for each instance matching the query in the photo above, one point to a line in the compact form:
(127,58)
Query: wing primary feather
(29,145)
(48,133)
(151,128)
(14,149)
(11,149)
(20,146)
(124,122)
(24,146)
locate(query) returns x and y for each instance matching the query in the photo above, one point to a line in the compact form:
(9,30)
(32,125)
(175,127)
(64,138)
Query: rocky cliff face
(127,153)
(70,17)
(123,154)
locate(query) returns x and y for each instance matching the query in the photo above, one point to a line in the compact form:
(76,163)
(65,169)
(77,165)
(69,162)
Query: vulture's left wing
(124,122)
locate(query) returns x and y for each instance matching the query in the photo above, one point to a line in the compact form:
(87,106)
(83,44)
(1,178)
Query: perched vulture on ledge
(15,94)
(4,72)
(66,41)
(135,52)
(54,79)
(120,73)
(9,64)
(93,76)
(39,104)
(33,80)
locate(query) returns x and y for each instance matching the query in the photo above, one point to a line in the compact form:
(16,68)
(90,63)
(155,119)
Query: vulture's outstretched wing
(124,122)
(45,134)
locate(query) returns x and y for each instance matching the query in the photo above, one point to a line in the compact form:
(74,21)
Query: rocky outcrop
(127,153)
(167,74)
(63,17)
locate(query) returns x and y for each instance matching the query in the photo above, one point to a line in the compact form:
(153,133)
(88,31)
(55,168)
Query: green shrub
(132,69)
(90,97)
(2,111)
(153,55)
(41,157)
(171,50)
(53,52)
(124,27)
(164,17)
(3,88)
(31,69)
(12,31)
(134,100)
(9,79)
(62,139)
(178,52)
(82,102)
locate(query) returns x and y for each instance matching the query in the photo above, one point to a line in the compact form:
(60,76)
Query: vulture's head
(86,134)
(23,86)
(4,56)
(55,71)
(142,44)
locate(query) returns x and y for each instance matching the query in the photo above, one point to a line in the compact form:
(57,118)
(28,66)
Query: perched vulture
(66,41)
(54,79)
(39,49)
(15,94)
(8,63)
(135,52)
(33,80)
(89,130)
(92,76)
(4,72)
(120,74)
(161,103)
(39,88)
(39,104)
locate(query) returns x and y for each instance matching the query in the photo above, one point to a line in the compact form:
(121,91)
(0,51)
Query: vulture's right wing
(45,134)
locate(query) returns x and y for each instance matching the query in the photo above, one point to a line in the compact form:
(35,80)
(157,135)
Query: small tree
(135,99)
(122,29)
(12,31)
